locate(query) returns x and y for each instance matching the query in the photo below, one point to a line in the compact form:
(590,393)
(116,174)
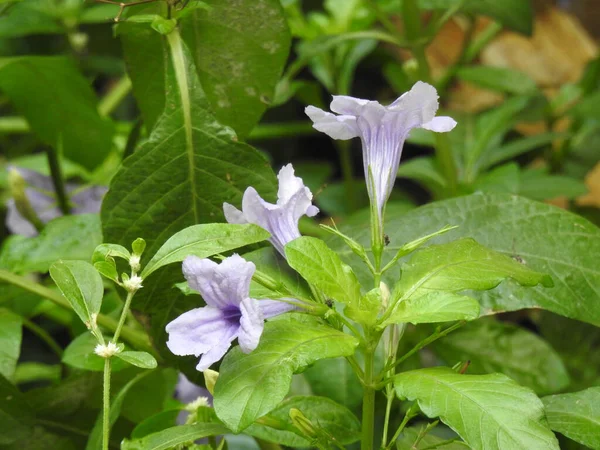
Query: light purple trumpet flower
(40,193)
(281,220)
(382,130)
(230,312)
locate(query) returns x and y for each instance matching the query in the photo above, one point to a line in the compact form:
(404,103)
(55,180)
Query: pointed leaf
(172,437)
(204,241)
(322,267)
(11,333)
(435,306)
(488,412)
(576,415)
(81,285)
(250,385)
(459,265)
(138,359)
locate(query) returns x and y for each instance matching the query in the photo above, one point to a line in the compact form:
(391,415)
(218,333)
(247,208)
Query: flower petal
(441,124)
(271,308)
(215,353)
(288,184)
(251,325)
(337,127)
(421,101)
(220,285)
(88,201)
(197,331)
(233,215)
(344,104)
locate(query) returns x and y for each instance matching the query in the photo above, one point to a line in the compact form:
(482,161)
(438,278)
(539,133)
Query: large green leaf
(68,237)
(171,437)
(493,346)
(28,17)
(337,421)
(10,342)
(322,268)
(251,385)
(240,48)
(489,412)
(203,241)
(435,306)
(576,415)
(459,265)
(81,285)
(546,238)
(64,116)
(185,171)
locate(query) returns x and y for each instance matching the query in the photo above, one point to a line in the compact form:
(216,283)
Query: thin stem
(43,335)
(434,337)
(115,96)
(357,370)
(412,412)
(424,432)
(368,407)
(106,405)
(123,316)
(388,410)
(58,179)
(135,338)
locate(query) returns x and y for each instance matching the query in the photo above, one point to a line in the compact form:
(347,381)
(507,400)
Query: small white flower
(108,350)
(200,401)
(281,220)
(133,284)
(134,262)
(382,130)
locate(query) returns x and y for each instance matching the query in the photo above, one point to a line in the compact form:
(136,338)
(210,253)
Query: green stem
(14,125)
(123,316)
(388,410)
(58,180)
(412,412)
(106,405)
(115,96)
(43,335)
(137,339)
(368,407)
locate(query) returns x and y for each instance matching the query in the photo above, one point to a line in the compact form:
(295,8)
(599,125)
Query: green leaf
(204,241)
(492,346)
(10,342)
(63,117)
(239,49)
(105,251)
(171,437)
(16,416)
(516,148)
(486,411)
(68,237)
(95,440)
(337,421)
(251,385)
(81,285)
(576,415)
(459,265)
(541,186)
(27,17)
(80,354)
(156,423)
(30,372)
(430,441)
(185,171)
(432,307)
(335,379)
(322,267)
(546,238)
(423,170)
(499,79)
(138,359)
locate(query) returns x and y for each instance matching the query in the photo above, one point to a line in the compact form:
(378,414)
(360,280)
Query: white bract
(382,130)
(281,219)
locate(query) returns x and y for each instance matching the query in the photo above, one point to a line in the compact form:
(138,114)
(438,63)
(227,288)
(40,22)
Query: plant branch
(58,180)
(43,335)
(115,96)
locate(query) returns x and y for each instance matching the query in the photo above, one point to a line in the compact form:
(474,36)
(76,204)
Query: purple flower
(281,220)
(382,130)
(40,194)
(230,312)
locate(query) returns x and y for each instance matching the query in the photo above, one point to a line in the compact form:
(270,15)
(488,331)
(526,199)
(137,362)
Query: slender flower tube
(281,220)
(382,130)
(230,312)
